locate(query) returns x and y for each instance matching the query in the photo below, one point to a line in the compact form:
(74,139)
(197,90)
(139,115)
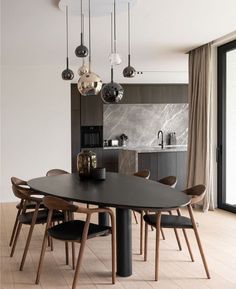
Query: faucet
(162,141)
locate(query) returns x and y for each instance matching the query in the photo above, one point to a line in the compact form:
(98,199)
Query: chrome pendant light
(89,83)
(112,92)
(81,50)
(129,70)
(67,74)
(115,58)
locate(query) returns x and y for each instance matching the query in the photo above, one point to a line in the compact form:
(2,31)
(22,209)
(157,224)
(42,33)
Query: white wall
(35,116)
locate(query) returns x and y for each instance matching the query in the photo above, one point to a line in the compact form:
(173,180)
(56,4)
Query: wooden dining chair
(29,206)
(75,231)
(159,220)
(56,172)
(30,218)
(170,181)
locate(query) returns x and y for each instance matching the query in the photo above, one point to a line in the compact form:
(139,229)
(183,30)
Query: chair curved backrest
(56,172)
(196,192)
(169,181)
(54,203)
(20,192)
(143,174)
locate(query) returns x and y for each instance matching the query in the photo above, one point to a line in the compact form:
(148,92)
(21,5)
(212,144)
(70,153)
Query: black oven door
(91,136)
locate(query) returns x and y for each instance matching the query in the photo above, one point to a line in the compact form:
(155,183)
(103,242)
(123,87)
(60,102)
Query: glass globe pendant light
(112,92)
(115,58)
(67,74)
(89,83)
(81,50)
(129,70)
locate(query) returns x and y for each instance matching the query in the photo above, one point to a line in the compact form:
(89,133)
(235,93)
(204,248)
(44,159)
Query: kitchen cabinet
(110,159)
(163,164)
(91,110)
(181,171)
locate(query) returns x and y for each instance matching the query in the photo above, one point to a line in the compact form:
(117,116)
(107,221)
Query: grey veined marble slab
(141,122)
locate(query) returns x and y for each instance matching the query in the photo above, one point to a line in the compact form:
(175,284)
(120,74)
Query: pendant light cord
(90,37)
(115,26)
(81,19)
(67,39)
(112,47)
(129,42)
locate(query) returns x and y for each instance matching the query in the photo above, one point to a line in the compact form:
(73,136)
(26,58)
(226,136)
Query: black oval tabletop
(117,190)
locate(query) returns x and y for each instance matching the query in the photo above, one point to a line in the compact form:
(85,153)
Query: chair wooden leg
(67,253)
(141,233)
(14,228)
(145,241)
(177,236)
(162,234)
(73,255)
(44,245)
(157,255)
(186,239)
(51,243)
(135,217)
(15,239)
(29,237)
(198,241)
(81,252)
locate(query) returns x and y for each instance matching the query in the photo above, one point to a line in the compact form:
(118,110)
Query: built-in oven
(91,136)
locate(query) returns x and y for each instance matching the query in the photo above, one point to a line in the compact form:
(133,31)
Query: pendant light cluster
(89,82)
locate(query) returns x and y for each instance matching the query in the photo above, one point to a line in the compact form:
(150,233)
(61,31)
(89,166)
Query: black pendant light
(81,50)
(112,92)
(89,83)
(129,71)
(67,74)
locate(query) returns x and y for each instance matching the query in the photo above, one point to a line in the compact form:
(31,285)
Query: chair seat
(73,230)
(26,218)
(30,205)
(169,221)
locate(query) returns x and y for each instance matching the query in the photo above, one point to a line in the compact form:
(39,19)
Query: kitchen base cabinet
(181,171)
(163,164)
(149,161)
(110,159)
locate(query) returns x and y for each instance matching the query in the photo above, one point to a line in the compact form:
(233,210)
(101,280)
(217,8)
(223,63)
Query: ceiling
(33,33)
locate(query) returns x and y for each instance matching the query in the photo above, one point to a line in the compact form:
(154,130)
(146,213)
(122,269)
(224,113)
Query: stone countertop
(147,149)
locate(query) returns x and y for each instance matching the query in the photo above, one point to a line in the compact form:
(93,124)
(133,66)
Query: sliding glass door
(227,126)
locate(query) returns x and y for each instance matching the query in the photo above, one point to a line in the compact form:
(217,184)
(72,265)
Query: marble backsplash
(141,122)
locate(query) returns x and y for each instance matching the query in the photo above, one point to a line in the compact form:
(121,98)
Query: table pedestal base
(124,242)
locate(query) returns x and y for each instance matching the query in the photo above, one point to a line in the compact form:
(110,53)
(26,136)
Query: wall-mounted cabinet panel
(91,110)
(155,93)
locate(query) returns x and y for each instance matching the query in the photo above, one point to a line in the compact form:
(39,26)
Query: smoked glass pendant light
(81,50)
(129,71)
(67,74)
(112,92)
(89,83)
(115,58)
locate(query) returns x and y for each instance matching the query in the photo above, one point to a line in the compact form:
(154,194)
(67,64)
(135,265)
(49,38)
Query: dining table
(122,192)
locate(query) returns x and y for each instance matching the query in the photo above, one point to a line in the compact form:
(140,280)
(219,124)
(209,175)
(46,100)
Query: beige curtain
(200,121)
